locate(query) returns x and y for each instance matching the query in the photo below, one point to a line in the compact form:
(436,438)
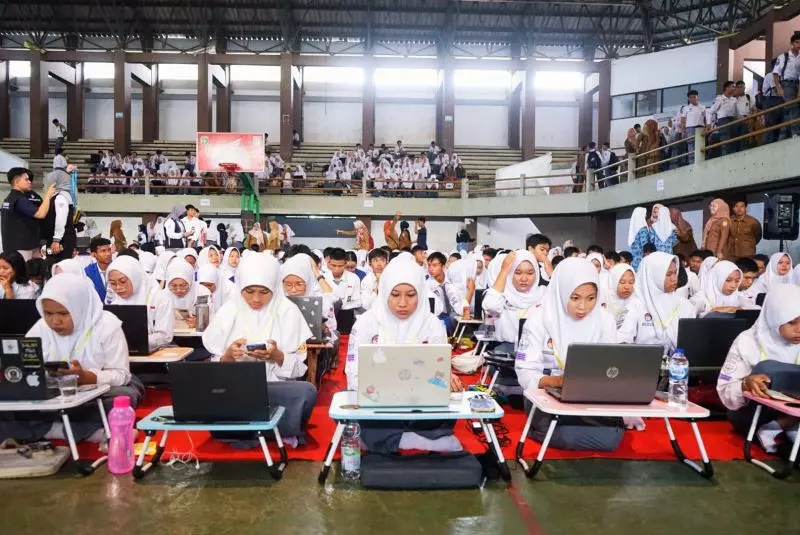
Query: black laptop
(706,341)
(18,316)
(479,304)
(750,316)
(610,373)
(22,373)
(134,326)
(219,392)
(311,308)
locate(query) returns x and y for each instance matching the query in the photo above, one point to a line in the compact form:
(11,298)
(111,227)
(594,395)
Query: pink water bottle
(120,448)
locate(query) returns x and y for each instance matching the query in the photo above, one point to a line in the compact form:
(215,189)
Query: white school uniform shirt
(768,86)
(347,289)
(160,318)
(695,115)
(743,106)
(97,341)
(761,342)
(437,291)
(792,71)
(723,108)
(195,225)
(550,329)
(369,290)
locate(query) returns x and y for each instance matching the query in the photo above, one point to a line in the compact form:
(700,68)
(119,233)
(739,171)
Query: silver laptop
(311,307)
(610,373)
(404,375)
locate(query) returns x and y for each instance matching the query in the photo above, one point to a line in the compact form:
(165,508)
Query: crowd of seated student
(410,296)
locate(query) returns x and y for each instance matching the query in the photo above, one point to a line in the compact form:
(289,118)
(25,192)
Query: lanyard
(665,324)
(763,354)
(77,347)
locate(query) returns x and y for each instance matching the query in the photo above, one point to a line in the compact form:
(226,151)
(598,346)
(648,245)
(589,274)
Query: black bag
(593,161)
(427,471)
(613,159)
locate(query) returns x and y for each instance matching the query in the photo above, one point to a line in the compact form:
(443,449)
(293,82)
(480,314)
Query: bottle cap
(122,402)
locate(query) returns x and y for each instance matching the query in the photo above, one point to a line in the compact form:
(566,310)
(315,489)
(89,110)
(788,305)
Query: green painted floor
(567,497)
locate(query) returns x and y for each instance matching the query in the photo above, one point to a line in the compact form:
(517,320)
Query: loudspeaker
(780,216)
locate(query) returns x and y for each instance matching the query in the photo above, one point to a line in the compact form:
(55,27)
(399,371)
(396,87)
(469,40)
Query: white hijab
(69,266)
(638,222)
(493,269)
(779,308)
(225,268)
(392,329)
(705,270)
(300,266)
(771,276)
(181,269)
(663,225)
(615,304)
(559,325)
(224,289)
(148,261)
(712,290)
(662,306)
(275,321)
(163,260)
(523,300)
(142,286)
(78,296)
(462,270)
(183,253)
(202,258)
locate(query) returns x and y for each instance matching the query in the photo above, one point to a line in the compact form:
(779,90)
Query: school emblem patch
(648,317)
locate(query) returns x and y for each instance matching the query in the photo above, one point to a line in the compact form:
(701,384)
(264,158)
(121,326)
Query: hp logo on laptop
(612,372)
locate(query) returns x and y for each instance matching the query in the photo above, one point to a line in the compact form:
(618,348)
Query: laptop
(407,376)
(217,392)
(706,341)
(22,373)
(134,326)
(311,308)
(750,316)
(610,373)
(479,304)
(19,315)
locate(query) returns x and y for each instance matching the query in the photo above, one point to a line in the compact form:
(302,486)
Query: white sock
(292,442)
(56,432)
(413,441)
(634,422)
(767,434)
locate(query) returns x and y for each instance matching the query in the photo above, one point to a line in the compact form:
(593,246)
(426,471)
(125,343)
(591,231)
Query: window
(648,102)
(673,98)
(708,92)
(622,106)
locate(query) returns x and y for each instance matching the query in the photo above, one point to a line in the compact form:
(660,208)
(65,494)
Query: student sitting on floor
(764,357)
(183,293)
(14,283)
(346,286)
(400,315)
(208,255)
(189,255)
(621,299)
(720,295)
(132,286)
(513,296)
(222,290)
(569,315)
(162,263)
(748,288)
(229,264)
(261,314)
(448,300)
(74,328)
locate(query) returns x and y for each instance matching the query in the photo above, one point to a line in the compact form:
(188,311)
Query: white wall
(481,125)
(557,127)
(677,66)
(21,114)
(177,120)
(415,124)
(98,118)
(329,122)
(505,233)
(256,116)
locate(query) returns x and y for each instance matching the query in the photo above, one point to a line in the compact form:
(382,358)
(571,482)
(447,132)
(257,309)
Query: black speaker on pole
(781,216)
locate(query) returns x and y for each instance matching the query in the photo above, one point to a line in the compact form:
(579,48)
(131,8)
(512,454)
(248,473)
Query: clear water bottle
(489,321)
(120,448)
(351,451)
(201,313)
(678,379)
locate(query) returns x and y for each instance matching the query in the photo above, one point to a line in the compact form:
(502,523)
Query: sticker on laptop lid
(10,347)
(379,357)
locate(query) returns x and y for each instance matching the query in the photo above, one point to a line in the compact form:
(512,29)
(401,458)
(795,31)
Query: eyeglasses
(178,287)
(294,285)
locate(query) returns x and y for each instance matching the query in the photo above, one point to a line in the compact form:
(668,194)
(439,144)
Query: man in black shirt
(21,214)
(422,233)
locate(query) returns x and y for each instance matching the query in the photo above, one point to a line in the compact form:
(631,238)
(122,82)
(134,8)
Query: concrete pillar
(368,106)
(150,115)
(723,62)
(5,107)
(604,103)
(585,110)
(122,103)
(224,102)
(602,230)
(40,109)
(514,107)
(297,99)
(287,106)
(448,139)
(529,112)
(205,92)
(75,105)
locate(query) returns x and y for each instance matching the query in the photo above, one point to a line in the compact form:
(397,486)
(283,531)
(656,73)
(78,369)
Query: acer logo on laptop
(219,390)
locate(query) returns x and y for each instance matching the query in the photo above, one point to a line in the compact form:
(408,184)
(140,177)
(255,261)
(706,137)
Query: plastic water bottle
(489,321)
(678,379)
(120,448)
(351,451)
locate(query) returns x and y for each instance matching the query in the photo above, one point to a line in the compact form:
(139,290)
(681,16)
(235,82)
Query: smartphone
(184,314)
(53,366)
(256,347)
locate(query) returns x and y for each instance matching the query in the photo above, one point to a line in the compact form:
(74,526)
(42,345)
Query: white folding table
(62,405)
(656,409)
(165,355)
(344,408)
(785,470)
(162,419)
(461,327)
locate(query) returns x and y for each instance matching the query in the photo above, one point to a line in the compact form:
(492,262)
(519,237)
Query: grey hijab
(63,182)
(177,212)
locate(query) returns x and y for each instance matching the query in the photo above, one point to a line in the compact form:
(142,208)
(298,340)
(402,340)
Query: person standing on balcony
(770,99)
(743,109)
(693,116)
(61,134)
(724,110)
(785,75)
(745,232)
(649,155)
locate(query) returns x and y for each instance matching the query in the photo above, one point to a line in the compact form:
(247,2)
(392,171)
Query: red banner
(244,149)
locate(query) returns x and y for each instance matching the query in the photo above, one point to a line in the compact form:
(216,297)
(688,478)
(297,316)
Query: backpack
(593,161)
(613,158)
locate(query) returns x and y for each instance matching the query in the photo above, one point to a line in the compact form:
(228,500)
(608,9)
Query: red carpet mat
(652,444)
